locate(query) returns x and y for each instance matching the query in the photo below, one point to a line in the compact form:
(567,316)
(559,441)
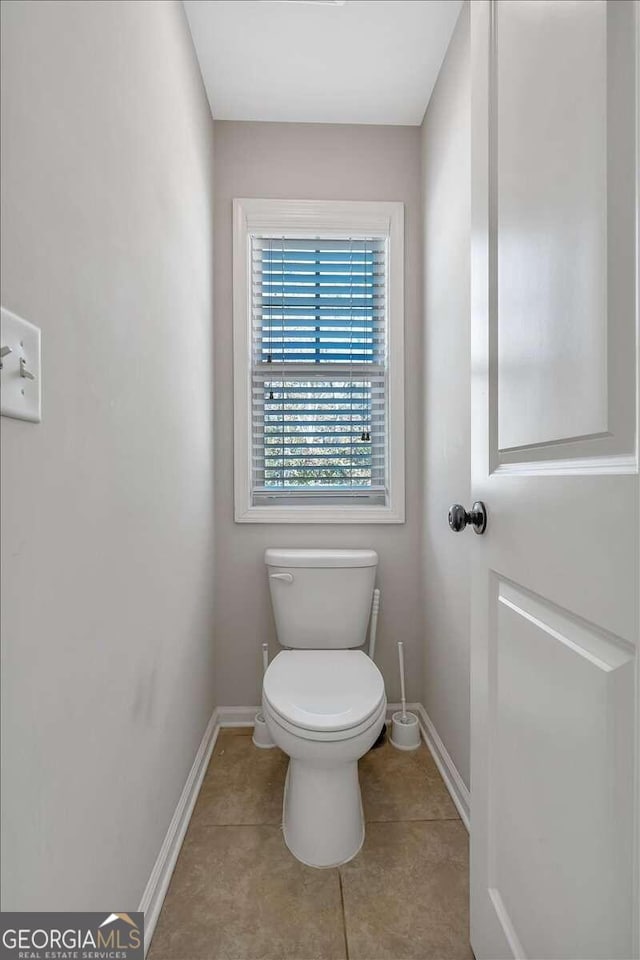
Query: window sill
(320,514)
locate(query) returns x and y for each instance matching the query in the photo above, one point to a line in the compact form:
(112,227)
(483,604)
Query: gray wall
(333,162)
(107,552)
(446,210)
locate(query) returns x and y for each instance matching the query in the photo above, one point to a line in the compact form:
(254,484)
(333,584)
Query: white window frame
(339,219)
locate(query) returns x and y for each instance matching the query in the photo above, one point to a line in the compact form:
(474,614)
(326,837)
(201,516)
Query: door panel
(555,578)
(552,207)
(560,734)
(563,101)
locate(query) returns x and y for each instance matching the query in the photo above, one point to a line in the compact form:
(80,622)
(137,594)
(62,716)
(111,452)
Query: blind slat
(360,279)
(312,243)
(357,373)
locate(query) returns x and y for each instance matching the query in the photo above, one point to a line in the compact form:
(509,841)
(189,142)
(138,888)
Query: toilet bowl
(324,708)
(323,700)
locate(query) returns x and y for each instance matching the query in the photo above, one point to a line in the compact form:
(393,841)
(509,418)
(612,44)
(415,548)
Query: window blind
(319,377)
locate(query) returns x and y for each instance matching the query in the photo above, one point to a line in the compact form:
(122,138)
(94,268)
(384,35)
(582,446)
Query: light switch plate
(20,395)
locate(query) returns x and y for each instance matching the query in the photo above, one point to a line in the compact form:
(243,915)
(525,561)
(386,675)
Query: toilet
(323,700)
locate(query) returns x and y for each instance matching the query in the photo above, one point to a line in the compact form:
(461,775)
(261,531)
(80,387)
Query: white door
(554,846)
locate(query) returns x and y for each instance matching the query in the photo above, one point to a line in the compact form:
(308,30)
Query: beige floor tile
(243,784)
(238,894)
(403,785)
(406,894)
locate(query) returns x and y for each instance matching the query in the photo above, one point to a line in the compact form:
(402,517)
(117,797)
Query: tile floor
(238,894)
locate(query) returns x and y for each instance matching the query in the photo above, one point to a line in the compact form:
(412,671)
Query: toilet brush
(405,730)
(261,735)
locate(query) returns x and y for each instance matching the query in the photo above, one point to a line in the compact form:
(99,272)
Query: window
(318,347)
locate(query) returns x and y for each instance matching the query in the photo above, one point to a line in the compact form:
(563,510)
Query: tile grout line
(344,916)
(418,820)
(267,823)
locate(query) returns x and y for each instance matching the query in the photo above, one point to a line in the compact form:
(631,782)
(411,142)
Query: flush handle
(459,518)
(287,577)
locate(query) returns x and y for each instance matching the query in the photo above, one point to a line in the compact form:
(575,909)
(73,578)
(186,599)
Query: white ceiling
(366,61)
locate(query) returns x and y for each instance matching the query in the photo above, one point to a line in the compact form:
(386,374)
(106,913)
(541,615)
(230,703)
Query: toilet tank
(321,598)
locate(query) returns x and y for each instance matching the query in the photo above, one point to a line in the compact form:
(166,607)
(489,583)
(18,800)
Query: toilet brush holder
(405,731)
(261,736)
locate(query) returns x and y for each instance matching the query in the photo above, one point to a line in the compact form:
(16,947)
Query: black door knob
(477,517)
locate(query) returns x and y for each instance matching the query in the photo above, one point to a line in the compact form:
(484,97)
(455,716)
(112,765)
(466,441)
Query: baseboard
(448,770)
(237,716)
(156,889)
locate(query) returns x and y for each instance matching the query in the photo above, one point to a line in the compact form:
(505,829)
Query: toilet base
(312,830)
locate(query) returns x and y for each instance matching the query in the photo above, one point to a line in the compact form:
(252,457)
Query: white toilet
(324,702)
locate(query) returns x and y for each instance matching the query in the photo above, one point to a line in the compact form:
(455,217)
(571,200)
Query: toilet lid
(323,689)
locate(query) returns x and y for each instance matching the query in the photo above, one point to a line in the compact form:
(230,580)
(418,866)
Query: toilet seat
(324,694)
